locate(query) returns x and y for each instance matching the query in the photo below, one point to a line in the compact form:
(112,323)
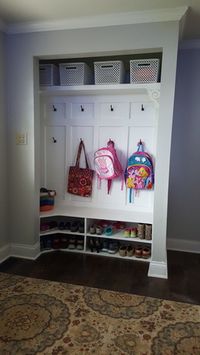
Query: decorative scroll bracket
(154,95)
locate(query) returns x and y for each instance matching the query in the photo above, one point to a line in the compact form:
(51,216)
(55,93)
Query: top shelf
(100,89)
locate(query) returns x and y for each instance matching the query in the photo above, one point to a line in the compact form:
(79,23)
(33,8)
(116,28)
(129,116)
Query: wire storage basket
(75,74)
(109,72)
(48,74)
(144,71)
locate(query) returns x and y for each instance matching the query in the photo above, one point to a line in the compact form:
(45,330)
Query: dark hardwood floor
(115,274)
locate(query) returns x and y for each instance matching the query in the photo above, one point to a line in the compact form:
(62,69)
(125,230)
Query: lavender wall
(3,152)
(184,191)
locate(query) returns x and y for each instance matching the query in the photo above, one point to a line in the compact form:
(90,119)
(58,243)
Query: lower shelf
(88,252)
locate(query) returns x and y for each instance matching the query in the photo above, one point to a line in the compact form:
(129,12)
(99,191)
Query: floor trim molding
(25,251)
(158,269)
(4,252)
(189,246)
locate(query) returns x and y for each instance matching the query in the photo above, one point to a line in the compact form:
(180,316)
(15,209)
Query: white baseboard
(4,252)
(25,251)
(158,269)
(190,246)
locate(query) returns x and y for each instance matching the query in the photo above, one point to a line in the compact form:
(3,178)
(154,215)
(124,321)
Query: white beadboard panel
(116,198)
(147,136)
(144,199)
(86,133)
(143,114)
(82,112)
(55,158)
(114,112)
(56,113)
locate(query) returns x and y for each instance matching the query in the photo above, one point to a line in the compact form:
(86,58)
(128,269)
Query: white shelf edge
(59,231)
(133,258)
(117,236)
(99,213)
(99,89)
(116,255)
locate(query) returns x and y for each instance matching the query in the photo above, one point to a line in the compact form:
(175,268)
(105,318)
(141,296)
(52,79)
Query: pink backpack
(107,164)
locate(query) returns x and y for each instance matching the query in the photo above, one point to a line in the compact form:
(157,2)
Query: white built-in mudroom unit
(95,113)
(53,119)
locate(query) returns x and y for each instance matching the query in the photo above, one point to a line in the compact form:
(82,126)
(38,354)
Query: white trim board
(25,251)
(113,19)
(158,269)
(189,246)
(4,252)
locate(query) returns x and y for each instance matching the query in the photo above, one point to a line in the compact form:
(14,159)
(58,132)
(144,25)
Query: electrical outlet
(21,138)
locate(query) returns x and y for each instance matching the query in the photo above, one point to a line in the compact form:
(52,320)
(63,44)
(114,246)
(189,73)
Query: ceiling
(40,11)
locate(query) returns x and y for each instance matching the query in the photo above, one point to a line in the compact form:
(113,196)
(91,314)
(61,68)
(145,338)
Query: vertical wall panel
(55,159)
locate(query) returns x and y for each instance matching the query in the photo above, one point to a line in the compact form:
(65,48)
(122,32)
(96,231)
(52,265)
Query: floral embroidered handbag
(80,179)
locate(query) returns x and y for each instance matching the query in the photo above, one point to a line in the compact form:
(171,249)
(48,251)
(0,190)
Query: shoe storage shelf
(103,237)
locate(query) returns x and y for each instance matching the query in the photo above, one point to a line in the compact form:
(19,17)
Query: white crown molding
(190,44)
(114,19)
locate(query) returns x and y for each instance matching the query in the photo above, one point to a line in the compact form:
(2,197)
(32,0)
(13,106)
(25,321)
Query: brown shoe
(138,252)
(146,253)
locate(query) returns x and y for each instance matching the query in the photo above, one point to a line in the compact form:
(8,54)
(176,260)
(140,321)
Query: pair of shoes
(105,246)
(44,227)
(91,244)
(113,248)
(126,250)
(56,243)
(144,231)
(81,227)
(72,243)
(130,232)
(95,229)
(109,230)
(64,242)
(80,244)
(61,225)
(95,244)
(74,226)
(144,253)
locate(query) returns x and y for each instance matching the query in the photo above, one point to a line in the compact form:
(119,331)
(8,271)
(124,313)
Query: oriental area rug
(44,317)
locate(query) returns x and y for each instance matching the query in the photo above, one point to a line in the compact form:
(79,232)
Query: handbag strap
(81,145)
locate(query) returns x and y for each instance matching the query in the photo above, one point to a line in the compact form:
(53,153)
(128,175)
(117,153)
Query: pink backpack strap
(98,182)
(122,182)
(109,185)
